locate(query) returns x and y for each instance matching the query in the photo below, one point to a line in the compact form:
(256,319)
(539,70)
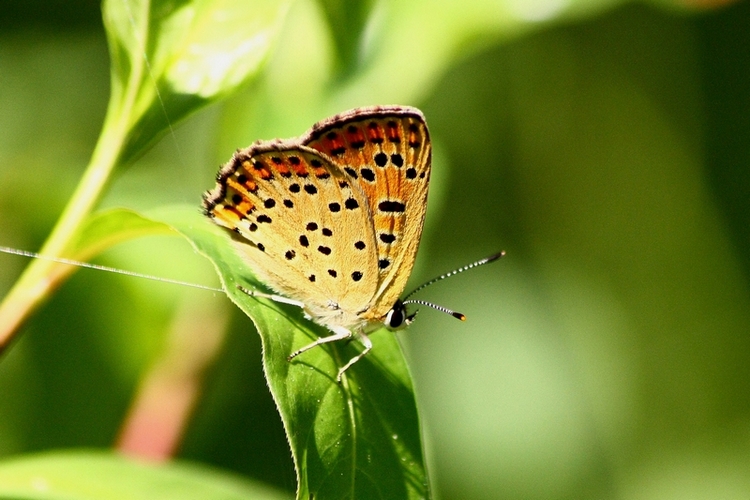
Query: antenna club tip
(498,255)
(459,316)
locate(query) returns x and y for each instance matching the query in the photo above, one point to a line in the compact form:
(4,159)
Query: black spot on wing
(387,237)
(381,159)
(367,174)
(391,206)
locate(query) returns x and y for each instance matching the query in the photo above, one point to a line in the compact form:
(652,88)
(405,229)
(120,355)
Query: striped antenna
(480,262)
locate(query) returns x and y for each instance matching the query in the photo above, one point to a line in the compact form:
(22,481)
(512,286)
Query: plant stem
(42,276)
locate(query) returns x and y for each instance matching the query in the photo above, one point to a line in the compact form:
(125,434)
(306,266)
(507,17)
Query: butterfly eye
(396,318)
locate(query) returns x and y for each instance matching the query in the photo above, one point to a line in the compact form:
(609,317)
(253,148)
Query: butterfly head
(398,318)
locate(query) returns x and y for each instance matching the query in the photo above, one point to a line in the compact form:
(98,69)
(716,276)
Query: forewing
(387,151)
(301,223)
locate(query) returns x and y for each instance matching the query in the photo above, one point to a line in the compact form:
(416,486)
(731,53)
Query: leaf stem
(41,276)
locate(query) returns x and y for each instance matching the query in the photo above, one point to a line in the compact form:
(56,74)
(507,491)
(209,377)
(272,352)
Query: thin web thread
(151,77)
(88,265)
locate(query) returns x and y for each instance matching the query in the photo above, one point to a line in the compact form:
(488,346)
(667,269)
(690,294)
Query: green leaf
(358,439)
(171,57)
(83,475)
(101,231)
(105,229)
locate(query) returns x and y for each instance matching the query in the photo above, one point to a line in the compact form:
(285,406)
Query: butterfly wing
(387,152)
(302,225)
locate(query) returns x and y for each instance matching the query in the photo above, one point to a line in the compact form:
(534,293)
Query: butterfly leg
(339,334)
(368,346)
(275,298)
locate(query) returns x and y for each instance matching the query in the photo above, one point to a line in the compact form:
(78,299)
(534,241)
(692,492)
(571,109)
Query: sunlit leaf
(171,57)
(358,439)
(105,229)
(101,231)
(90,475)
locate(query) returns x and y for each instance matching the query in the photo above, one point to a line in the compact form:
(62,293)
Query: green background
(605,147)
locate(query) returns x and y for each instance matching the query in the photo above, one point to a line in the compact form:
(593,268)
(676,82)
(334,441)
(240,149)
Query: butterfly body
(332,219)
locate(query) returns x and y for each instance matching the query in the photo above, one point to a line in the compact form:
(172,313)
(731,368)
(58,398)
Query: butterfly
(331,221)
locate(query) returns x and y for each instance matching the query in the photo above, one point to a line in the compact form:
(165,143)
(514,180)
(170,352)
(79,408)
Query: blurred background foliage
(605,146)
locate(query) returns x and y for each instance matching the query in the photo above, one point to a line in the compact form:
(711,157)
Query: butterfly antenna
(480,262)
(435,306)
